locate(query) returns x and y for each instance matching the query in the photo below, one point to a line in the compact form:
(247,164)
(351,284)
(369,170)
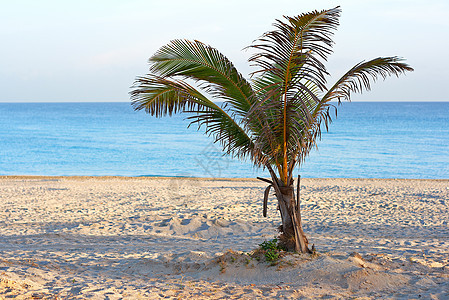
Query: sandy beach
(180,238)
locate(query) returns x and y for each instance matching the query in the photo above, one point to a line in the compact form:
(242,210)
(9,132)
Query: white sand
(143,238)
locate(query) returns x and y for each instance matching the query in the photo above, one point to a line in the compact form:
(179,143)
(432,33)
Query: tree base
(288,242)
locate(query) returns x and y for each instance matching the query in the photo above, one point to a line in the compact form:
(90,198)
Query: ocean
(366,140)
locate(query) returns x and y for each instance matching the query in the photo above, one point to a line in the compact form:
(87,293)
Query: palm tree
(275,118)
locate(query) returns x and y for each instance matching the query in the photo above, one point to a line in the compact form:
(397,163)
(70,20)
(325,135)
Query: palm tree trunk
(292,237)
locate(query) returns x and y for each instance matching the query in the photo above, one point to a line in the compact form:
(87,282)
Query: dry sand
(152,238)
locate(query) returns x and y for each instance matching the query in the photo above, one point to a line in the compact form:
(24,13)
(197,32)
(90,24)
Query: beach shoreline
(154,237)
(156,177)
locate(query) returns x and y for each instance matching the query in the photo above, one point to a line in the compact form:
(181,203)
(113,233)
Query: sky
(92,50)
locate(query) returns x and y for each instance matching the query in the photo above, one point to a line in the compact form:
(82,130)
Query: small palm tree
(273,119)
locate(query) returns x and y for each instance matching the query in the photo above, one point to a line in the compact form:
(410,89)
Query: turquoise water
(367,140)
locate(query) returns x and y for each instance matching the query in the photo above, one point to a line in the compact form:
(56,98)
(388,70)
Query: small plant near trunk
(271,250)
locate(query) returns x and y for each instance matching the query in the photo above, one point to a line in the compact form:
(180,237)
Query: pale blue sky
(91,50)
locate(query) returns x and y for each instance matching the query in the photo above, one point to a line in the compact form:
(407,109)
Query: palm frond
(208,67)
(359,77)
(160,96)
(293,51)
